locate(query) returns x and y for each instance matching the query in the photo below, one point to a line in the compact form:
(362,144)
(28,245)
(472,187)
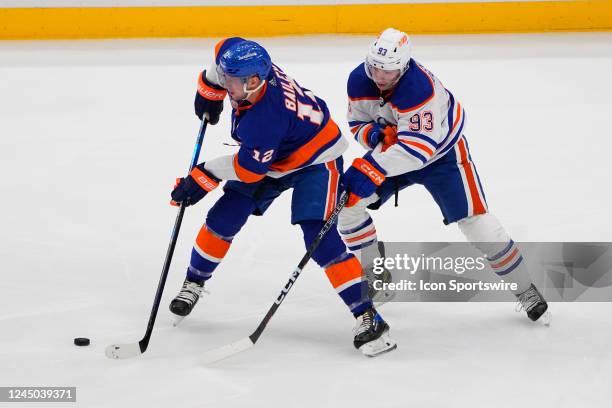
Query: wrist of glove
(373,134)
(363,178)
(209,99)
(194,187)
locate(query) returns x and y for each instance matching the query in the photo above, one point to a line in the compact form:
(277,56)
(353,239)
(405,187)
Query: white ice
(92,135)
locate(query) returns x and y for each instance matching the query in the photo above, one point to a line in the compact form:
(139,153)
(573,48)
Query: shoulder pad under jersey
(414,89)
(359,86)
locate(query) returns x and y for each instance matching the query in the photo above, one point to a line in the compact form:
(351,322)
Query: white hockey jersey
(429,120)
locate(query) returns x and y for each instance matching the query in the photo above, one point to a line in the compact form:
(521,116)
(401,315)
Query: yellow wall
(261,21)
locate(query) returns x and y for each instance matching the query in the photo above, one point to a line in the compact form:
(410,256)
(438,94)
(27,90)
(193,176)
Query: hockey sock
(509,265)
(208,251)
(346,276)
(487,234)
(342,269)
(361,236)
(223,222)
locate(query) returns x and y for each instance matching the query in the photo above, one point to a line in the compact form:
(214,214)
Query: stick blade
(122,351)
(223,352)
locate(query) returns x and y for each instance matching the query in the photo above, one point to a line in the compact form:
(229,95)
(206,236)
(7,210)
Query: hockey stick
(246,343)
(127,350)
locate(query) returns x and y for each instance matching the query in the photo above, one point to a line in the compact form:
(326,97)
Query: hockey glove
(390,137)
(209,99)
(373,133)
(362,179)
(194,187)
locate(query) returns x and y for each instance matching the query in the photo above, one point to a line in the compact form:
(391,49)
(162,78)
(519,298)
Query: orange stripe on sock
(362,236)
(342,272)
(211,244)
(507,260)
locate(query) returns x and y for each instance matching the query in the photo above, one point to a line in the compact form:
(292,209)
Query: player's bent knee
(352,217)
(483,228)
(331,246)
(229,213)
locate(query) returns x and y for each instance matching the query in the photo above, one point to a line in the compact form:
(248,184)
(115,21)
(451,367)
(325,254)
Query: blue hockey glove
(362,179)
(373,133)
(209,99)
(194,187)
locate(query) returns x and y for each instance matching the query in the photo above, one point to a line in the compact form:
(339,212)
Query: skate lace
(527,300)
(364,323)
(190,292)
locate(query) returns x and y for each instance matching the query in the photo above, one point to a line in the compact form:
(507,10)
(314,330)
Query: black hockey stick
(120,351)
(243,344)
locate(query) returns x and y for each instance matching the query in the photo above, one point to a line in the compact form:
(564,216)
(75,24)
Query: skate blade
(177,320)
(381,345)
(122,351)
(545,319)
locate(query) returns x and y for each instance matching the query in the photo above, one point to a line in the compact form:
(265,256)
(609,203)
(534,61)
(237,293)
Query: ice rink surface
(92,135)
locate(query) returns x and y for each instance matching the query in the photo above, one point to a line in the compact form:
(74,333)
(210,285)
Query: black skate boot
(372,334)
(532,302)
(184,302)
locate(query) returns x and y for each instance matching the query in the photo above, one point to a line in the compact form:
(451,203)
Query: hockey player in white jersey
(413,129)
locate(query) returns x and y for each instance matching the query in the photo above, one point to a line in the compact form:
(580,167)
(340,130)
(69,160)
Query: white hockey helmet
(390,51)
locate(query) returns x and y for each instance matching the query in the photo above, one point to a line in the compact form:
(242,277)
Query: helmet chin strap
(251,92)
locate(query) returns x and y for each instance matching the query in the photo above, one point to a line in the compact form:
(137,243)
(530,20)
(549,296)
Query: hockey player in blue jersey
(287,141)
(413,129)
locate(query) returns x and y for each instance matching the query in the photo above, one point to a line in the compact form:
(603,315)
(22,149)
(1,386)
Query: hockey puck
(81,341)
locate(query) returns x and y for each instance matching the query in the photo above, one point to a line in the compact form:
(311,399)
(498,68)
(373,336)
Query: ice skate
(372,334)
(532,302)
(187,298)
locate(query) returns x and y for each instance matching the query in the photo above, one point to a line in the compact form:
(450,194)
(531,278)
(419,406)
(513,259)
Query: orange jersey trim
(244,174)
(296,159)
(364,98)
(477,204)
(420,105)
(332,188)
(239,109)
(417,144)
(364,133)
(457,117)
